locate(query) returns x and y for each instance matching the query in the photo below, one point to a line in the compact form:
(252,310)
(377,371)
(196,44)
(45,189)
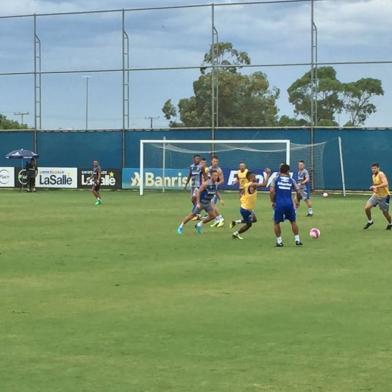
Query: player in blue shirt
(195,176)
(204,196)
(281,190)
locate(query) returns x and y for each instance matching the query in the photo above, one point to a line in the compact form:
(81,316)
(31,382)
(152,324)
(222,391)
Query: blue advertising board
(155,178)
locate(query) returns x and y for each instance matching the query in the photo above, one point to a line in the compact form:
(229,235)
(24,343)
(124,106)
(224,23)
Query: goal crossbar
(211,142)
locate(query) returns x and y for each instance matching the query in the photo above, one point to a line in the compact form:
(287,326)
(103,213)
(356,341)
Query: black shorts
(96,187)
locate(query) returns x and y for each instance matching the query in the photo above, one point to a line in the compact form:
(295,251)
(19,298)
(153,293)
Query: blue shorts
(247,215)
(283,213)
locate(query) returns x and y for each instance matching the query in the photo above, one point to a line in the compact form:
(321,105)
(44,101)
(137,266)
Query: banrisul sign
(155,178)
(110,178)
(174,178)
(57,177)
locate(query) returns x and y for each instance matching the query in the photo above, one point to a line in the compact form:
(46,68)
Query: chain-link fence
(115,69)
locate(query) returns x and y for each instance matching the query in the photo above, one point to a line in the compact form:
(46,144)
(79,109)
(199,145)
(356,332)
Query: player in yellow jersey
(380,196)
(248,203)
(240,176)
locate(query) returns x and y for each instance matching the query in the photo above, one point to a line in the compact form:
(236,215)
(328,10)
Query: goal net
(164,164)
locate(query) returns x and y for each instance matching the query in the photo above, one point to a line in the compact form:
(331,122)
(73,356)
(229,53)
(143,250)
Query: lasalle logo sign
(110,178)
(57,177)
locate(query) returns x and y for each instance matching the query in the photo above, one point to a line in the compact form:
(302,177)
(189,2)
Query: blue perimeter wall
(361,147)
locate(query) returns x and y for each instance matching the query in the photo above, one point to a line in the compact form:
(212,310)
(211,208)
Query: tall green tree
(243,100)
(329,100)
(6,123)
(357,98)
(353,100)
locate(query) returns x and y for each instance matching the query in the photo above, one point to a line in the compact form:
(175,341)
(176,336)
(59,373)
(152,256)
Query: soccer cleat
(215,224)
(309,214)
(368,225)
(298,243)
(389,227)
(198,229)
(180,230)
(279,245)
(97,203)
(236,236)
(232,224)
(221,223)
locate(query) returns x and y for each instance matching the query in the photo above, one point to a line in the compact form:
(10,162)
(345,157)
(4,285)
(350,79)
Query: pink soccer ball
(314,233)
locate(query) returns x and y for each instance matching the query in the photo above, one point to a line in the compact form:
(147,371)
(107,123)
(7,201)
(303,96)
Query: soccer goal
(164,164)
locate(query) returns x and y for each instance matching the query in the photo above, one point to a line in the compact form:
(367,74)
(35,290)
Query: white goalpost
(282,147)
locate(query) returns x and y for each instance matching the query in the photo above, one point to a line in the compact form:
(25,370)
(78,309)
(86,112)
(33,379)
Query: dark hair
(196,156)
(301,161)
(249,175)
(203,159)
(285,168)
(213,171)
(375,165)
(214,157)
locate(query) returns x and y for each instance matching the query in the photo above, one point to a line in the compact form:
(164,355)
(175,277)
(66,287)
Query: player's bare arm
(272,195)
(221,178)
(219,196)
(188,179)
(198,193)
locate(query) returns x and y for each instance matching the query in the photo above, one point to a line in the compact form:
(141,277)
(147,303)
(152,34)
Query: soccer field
(110,298)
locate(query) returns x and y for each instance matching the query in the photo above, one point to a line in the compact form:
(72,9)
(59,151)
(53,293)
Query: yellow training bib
(380,192)
(249,198)
(242,178)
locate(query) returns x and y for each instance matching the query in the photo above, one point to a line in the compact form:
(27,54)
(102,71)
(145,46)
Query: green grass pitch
(110,298)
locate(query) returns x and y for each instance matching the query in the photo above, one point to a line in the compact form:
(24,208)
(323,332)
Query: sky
(349,30)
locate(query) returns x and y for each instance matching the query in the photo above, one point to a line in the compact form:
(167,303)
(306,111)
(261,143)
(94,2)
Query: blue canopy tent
(21,154)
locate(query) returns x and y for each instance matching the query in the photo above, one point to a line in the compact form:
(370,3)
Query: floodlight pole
(87,101)
(313,87)
(125,86)
(213,72)
(216,34)
(37,83)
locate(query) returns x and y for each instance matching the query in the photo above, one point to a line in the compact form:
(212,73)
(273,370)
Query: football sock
(279,240)
(297,239)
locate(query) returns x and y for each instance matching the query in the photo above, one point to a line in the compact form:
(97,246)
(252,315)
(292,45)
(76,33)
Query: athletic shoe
(368,225)
(236,236)
(215,224)
(97,203)
(298,243)
(180,230)
(389,227)
(198,229)
(309,214)
(232,224)
(221,223)
(279,245)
